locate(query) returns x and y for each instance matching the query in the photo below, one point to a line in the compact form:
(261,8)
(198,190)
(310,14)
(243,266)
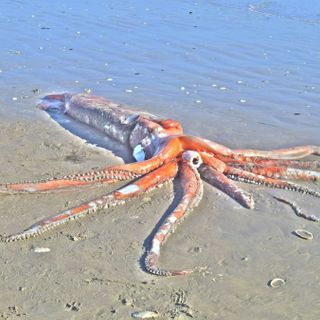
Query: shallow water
(243,73)
(242,63)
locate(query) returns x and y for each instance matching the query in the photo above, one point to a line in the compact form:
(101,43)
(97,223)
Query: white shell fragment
(145,314)
(303,234)
(276,283)
(41,250)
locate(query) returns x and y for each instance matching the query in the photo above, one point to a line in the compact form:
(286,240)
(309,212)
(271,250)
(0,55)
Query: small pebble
(14,98)
(240,81)
(223,88)
(197,249)
(145,314)
(109,79)
(74,238)
(243,100)
(127,302)
(198,101)
(128,90)
(41,250)
(182,88)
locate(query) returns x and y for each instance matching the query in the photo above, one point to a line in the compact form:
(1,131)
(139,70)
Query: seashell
(145,314)
(41,250)
(303,234)
(276,283)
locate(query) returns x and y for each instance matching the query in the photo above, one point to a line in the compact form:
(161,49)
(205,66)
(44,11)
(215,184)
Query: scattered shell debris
(276,283)
(127,302)
(72,306)
(41,250)
(74,238)
(303,234)
(145,314)
(77,237)
(146,199)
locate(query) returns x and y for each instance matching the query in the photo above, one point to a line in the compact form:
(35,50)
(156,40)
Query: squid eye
(195,161)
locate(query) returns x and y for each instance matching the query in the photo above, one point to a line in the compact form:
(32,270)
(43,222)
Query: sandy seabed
(242,75)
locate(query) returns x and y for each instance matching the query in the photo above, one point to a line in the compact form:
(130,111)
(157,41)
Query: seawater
(225,69)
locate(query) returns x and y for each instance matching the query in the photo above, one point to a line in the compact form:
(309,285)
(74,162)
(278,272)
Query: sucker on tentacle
(306,165)
(289,153)
(109,175)
(81,179)
(279,172)
(144,184)
(249,177)
(161,149)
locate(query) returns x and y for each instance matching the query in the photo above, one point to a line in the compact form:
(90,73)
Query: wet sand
(242,74)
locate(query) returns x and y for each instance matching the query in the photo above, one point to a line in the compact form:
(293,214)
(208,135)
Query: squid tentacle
(279,172)
(288,153)
(148,182)
(192,194)
(306,165)
(109,175)
(265,162)
(298,211)
(210,160)
(223,183)
(249,177)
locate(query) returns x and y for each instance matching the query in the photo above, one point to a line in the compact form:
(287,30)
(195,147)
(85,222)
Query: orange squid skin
(162,151)
(156,177)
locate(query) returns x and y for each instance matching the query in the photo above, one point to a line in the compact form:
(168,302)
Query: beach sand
(239,73)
